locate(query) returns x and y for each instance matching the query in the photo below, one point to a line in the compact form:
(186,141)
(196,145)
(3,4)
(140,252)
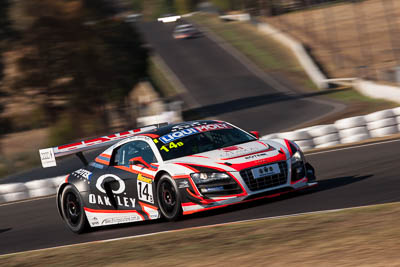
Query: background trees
(78,60)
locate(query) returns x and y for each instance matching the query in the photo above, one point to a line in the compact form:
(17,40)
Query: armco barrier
(355,129)
(32,189)
(344,131)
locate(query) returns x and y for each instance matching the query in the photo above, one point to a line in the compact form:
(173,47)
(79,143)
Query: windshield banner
(194,130)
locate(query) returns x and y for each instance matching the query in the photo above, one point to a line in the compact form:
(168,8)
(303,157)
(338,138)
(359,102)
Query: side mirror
(139,160)
(256,134)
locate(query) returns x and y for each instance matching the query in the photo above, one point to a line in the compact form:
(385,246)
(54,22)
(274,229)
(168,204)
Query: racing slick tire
(72,210)
(168,198)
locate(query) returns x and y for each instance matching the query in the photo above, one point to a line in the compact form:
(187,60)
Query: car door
(138,174)
(123,190)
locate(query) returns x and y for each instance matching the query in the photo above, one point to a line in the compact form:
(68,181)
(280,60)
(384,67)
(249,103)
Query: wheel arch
(159,175)
(58,197)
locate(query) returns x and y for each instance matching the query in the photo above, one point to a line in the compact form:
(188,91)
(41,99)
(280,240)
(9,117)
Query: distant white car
(169,18)
(185,31)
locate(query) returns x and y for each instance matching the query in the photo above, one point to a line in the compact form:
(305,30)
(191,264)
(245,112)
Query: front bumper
(251,189)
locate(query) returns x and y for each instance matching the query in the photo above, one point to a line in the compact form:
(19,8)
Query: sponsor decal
(256,156)
(145,189)
(47,157)
(244,152)
(95,221)
(127,202)
(177,135)
(194,130)
(100,183)
(212,127)
(96,165)
(104,200)
(124,219)
(83,174)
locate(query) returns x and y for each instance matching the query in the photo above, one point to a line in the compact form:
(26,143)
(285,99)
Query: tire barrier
(32,189)
(345,131)
(351,122)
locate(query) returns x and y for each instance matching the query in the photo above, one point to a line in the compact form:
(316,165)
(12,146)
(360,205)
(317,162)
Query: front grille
(267,181)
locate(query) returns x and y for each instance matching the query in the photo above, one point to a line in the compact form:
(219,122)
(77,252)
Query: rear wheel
(168,198)
(72,210)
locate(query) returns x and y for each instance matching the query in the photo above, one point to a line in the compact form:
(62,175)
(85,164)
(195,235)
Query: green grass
(365,236)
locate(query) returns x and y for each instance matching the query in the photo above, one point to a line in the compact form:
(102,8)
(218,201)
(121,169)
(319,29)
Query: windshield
(192,141)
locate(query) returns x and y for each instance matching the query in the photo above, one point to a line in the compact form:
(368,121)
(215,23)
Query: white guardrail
(344,131)
(350,130)
(31,189)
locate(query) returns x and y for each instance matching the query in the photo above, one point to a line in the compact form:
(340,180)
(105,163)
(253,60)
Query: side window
(132,150)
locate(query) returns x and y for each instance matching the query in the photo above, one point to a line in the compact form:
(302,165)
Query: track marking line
(200,227)
(26,200)
(353,147)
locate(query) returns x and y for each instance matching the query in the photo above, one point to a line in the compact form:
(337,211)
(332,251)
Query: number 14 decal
(145,189)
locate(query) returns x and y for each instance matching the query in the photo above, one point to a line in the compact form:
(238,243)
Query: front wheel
(72,210)
(168,198)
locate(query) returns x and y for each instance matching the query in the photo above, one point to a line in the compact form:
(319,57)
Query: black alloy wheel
(72,210)
(168,198)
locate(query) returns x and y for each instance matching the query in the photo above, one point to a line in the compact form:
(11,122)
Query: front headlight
(297,157)
(202,177)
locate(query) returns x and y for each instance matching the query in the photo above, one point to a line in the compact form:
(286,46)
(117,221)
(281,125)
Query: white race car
(173,170)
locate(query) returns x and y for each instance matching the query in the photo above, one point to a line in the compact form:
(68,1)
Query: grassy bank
(366,236)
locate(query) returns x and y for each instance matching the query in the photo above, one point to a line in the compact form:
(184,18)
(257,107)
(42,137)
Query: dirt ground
(367,236)
(359,39)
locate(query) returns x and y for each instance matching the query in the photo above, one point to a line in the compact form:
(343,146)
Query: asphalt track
(352,177)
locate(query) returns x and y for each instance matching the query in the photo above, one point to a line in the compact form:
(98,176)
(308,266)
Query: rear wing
(48,155)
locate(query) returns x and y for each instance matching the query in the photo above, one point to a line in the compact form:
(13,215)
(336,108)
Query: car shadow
(247,102)
(328,184)
(323,185)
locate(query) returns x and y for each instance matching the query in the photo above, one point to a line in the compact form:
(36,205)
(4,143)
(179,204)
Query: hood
(237,157)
